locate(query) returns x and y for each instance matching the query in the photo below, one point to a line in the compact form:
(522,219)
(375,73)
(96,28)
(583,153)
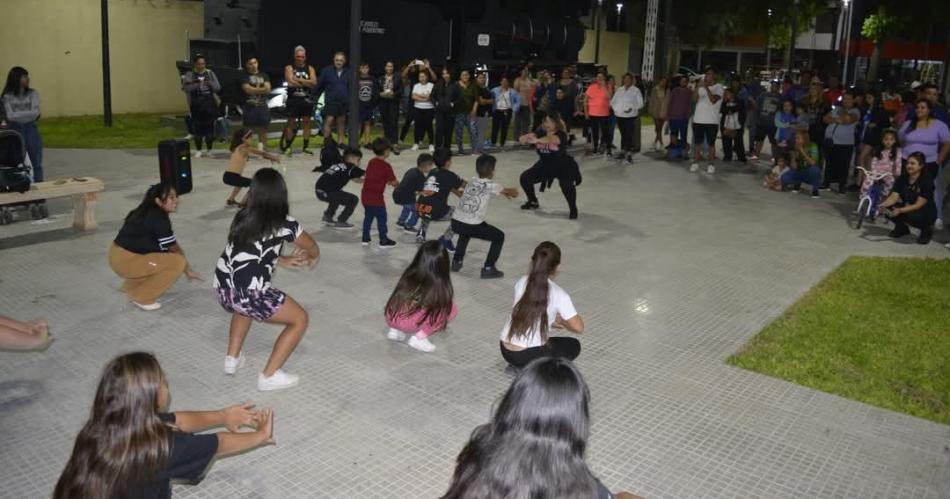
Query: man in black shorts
(301,79)
(335,83)
(256,86)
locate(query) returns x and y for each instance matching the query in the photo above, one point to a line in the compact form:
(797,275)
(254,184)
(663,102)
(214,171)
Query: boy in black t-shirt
(433,202)
(410,187)
(329,188)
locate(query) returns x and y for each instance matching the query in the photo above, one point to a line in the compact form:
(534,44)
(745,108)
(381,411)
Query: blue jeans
(810,176)
(464,121)
(678,129)
(378,213)
(409,215)
(34,146)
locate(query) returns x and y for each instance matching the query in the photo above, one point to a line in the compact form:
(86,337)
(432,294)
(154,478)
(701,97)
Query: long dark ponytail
(157,191)
(265,211)
(534,445)
(425,285)
(531,309)
(124,444)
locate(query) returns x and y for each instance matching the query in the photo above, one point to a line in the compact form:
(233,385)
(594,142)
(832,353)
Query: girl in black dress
(553,164)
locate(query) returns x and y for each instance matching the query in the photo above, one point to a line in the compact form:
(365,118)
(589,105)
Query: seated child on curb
(410,187)
(379,174)
(468,219)
(241,149)
(804,165)
(421,304)
(329,188)
(433,202)
(773,179)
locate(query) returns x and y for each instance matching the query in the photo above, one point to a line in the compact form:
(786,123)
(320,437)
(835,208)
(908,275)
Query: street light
(619,10)
(847,43)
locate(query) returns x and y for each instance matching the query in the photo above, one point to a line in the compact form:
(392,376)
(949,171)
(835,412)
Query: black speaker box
(174,164)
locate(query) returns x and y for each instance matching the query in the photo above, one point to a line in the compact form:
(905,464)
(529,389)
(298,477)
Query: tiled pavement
(672,272)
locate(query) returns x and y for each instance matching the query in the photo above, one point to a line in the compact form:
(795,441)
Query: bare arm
(189,273)
(312,82)
(891,200)
(307,244)
(289,76)
(233,443)
(574,324)
(944,152)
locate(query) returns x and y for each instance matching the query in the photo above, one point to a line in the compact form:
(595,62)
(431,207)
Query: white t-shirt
(473,205)
(426,90)
(707,113)
(559,303)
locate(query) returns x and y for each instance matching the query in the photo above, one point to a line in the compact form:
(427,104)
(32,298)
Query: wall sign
(483,39)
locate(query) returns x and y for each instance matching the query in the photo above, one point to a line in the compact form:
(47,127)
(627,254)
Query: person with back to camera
(422,303)
(534,445)
(130,447)
(243,273)
(433,202)
(146,252)
(540,305)
(911,201)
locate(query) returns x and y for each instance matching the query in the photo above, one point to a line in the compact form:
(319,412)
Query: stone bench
(84,191)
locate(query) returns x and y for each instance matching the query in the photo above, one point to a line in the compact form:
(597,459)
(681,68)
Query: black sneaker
(814,193)
(386,243)
(328,220)
(400,223)
(492,273)
(898,232)
(456,265)
(530,205)
(365,242)
(342,225)
(925,236)
(572,215)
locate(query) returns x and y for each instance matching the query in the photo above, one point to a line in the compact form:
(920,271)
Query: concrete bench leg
(84,211)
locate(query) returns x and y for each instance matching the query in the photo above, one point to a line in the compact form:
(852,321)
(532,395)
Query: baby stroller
(16,175)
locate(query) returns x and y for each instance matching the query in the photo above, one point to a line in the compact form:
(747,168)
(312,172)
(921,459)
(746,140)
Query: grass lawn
(875,330)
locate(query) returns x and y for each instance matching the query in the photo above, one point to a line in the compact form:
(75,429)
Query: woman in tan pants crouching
(146,252)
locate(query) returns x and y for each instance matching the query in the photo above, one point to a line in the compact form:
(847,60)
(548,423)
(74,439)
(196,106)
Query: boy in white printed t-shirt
(468,219)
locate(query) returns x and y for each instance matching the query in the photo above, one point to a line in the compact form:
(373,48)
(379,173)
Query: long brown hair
(124,444)
(425,285)
(531,310)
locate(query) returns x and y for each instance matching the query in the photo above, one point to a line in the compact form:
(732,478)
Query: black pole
(356,12)
(598,12)
(106,71)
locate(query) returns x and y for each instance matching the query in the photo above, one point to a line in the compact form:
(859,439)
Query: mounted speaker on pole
(174,164)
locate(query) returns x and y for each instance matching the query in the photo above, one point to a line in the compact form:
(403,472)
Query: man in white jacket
(626,104)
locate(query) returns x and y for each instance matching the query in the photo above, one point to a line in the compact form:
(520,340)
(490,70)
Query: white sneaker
(231,364)
(260,146)
(431,148)
(710,169)
(188,137)
(197,154)
(415,147)
(395,334)
(938,225)
(278,381)
(693,168)
(421,344)
(148,307)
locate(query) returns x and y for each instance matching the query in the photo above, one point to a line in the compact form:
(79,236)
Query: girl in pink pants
(422,303)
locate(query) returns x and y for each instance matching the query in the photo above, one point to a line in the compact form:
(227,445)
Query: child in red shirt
(379,174)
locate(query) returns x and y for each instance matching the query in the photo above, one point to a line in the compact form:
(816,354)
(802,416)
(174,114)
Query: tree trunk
(874,62)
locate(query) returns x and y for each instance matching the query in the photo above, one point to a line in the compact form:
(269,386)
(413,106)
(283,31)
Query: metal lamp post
(847,41)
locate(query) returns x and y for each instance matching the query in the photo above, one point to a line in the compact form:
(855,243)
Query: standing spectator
(815,108)
(465,105)
(568,85)
(483,111)
(597,112)
(21,105)
(335,82)
(834,92)
(544,94)
(708,98)
(256,86)
(749,94)
(912,199)
(626,104)
(680,105)
(874,120)
(506,102)
(444,110)
(389,92)
(927,135)
(732,123)
(301,79)
(657,106)
(366,92)
(524,85)
(768,105)
(840,132)
(201,84)
(932,94)
(411,74)
(423,111)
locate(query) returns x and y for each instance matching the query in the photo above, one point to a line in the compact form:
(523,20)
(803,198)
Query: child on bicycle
(886,160)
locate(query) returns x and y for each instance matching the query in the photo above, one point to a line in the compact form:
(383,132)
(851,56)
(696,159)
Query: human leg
(240,325)
(146,276)
(295,320)
(349,202)
(410,118)
(528,178)
(570,195)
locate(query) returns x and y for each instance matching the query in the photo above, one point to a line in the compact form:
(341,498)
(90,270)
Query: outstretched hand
(510,192)
(293,261)
(193,276)
(265,426)
(239,415)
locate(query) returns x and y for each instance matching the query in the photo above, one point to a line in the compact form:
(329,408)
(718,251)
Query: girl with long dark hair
(925,134)
(444,109)
(146,252)
(421,304)
(21,105)
(241,149)
(242,276)
(201,84)
(553,163)
(911,202)
(130,447)
(534,445)
(541,305)
(874,120)
(886,158)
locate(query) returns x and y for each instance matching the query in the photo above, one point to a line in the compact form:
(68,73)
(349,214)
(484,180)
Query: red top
(378,174)
(832,95)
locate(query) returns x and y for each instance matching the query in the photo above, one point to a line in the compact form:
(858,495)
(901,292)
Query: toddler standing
(379,174)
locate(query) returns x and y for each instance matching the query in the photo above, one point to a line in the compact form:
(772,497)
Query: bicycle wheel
(864,209)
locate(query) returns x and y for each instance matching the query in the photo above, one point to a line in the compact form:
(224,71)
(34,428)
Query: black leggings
(410,118)
(499,126)
(599,126)
(444,124)
(836,170)
(423,119)
(389,111)
(203,114)
(557,346)
(336,199)
(535,175)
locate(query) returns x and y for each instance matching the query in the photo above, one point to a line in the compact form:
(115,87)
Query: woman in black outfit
(201,85)
(553,164)
(444,112)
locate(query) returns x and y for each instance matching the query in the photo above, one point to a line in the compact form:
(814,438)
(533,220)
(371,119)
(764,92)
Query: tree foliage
(879,26)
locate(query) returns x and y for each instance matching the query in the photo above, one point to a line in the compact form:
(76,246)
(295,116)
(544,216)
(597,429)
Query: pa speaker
(174,164)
